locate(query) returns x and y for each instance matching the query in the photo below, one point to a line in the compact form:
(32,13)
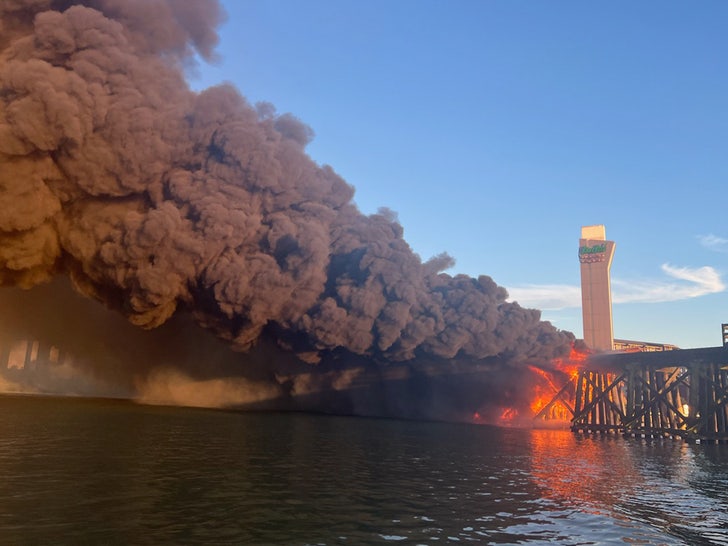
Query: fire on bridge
(680,394)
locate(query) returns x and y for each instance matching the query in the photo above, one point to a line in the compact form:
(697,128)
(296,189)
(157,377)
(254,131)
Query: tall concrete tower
(595,256)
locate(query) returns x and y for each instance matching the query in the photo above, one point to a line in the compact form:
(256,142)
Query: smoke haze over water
(201,220)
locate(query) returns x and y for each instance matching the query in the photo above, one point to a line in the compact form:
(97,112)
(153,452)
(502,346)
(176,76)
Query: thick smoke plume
(162,203)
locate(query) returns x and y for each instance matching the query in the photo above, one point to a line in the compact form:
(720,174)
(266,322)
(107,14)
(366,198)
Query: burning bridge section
(542,396)
(676,393)
(679,394)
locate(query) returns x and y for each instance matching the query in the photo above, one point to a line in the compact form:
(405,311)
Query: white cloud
(713,242)
(685,283)
(682,283)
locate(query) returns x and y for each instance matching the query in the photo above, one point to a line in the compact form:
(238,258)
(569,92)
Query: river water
(80,471)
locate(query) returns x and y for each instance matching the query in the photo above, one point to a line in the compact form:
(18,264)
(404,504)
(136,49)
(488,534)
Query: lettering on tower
(594,253)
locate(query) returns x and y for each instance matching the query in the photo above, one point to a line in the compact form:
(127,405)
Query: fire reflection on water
(637,482)
(573,469)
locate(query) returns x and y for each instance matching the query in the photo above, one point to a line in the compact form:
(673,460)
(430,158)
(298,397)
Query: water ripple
(117,473)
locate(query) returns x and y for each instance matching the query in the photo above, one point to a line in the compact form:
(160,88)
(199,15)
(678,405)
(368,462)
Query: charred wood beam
(650,404)
(600,395)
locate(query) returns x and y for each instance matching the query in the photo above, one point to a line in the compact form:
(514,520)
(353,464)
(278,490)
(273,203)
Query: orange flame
(506,418)
(551,397)
(540,399)
(549,390)
(546,377)
(571,364)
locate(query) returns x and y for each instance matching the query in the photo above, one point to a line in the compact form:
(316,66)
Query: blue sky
(496,129)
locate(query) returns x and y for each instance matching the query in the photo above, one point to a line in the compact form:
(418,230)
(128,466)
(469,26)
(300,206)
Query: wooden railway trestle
(676,394)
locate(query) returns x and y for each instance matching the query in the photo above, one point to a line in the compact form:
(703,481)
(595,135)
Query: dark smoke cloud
(159,201)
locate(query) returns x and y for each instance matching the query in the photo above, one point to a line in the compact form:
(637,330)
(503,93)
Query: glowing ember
(504,417)
(508,415)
